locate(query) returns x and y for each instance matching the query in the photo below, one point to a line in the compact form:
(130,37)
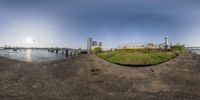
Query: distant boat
(14,49)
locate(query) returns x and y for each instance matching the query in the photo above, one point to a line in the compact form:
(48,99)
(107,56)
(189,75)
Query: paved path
(76,78)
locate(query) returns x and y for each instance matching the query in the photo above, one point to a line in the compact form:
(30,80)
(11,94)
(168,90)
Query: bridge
(193,48)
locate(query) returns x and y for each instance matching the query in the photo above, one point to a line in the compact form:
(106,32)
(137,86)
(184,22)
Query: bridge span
(193,48)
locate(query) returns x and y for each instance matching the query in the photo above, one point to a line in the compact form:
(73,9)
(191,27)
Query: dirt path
(76,78)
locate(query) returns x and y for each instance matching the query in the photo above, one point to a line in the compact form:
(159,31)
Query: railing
(193,48)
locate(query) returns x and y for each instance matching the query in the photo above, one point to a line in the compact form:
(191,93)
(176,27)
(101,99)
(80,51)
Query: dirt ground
(87,77)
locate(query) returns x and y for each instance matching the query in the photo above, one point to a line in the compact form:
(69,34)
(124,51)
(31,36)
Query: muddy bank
(76,78)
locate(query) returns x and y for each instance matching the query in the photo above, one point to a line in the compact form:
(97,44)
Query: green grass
(138,56)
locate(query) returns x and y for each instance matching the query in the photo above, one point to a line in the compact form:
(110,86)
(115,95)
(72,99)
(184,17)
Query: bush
(97,50)
(178,48)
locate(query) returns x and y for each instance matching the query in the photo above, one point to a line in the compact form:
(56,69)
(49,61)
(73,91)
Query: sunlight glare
(29,40)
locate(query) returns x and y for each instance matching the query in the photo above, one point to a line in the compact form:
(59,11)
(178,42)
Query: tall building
(94,43)
(167,45)
(166,40)
(100,44)
(89,45)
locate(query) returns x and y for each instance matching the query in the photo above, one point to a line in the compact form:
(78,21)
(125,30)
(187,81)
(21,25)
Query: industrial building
(165,45)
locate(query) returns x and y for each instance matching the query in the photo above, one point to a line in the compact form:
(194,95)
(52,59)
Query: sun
(29,40)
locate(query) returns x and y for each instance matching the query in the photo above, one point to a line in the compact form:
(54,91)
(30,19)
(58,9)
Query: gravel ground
(87,77)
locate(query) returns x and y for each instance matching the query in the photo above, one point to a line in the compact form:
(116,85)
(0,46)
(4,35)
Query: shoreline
(76,78)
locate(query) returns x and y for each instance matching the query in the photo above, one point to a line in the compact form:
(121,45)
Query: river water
(196,51)
(34,56)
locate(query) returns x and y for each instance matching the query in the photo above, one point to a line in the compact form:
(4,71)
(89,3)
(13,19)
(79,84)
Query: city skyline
(68,23)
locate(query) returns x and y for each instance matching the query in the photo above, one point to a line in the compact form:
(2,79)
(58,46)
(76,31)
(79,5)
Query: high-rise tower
(167,45)
(89,45)
(166,40)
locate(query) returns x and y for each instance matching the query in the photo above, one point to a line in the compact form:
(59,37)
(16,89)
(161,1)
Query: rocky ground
(88,77)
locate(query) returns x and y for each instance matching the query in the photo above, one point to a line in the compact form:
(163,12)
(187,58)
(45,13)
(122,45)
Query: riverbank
(76,78)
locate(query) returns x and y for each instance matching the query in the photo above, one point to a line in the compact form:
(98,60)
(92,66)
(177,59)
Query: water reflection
(28,55)
(35,56)
(195,51)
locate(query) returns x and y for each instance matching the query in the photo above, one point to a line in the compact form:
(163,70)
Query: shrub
(97,50)
(178,48)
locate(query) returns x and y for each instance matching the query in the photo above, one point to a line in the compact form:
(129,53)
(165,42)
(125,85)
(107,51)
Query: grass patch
(138,56)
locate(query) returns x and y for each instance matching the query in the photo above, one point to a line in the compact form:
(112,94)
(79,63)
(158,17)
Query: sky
(68,23)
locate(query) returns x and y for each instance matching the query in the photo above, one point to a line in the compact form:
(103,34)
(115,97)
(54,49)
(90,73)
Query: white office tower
(89,45)
(167,45)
